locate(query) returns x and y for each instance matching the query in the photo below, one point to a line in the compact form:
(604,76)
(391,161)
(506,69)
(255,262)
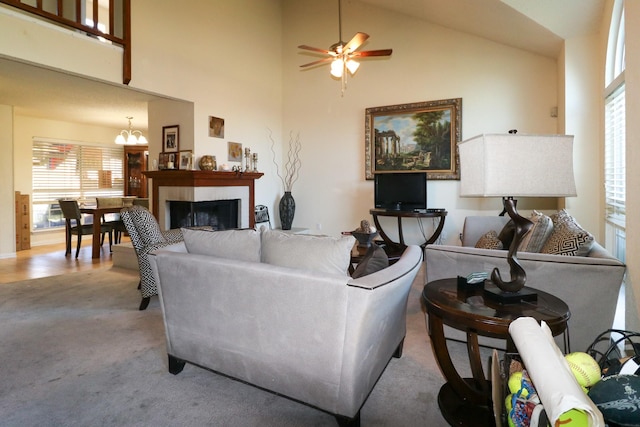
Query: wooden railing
(69,13)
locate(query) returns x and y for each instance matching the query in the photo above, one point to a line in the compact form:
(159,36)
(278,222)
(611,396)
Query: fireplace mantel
(188,178)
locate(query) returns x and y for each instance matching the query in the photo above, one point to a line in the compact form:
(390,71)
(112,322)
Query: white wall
(225,60)
(36,41)
(584,111)
(501,88)
(239,61)
(7,195)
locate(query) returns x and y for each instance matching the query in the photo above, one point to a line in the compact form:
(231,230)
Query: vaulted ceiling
(538,26)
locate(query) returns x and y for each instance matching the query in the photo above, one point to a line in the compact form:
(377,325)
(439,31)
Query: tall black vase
(287,210)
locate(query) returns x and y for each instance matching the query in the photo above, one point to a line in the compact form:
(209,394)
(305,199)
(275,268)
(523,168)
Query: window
(76,170)
(614,150)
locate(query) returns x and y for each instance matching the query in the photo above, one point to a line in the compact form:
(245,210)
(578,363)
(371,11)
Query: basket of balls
(522,406)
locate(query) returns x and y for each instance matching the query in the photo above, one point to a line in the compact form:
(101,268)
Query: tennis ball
(573,418)
(515,384)
(584,368)
(508,403)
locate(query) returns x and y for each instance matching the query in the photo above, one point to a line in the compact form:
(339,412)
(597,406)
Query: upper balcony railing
(106,19)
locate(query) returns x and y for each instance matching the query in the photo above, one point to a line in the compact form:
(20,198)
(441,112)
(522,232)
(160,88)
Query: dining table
(97,220)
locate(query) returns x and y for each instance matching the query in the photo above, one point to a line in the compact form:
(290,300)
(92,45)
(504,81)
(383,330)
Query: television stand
(393,248)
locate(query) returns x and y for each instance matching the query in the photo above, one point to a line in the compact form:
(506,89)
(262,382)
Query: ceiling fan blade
(381,52)
(319,61)
(315,49)
(355,42)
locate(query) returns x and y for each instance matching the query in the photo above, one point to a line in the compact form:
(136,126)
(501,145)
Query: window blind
(614,168)
(69,169)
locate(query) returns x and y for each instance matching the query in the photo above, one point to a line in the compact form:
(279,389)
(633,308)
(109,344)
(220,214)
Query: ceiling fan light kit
(341,54)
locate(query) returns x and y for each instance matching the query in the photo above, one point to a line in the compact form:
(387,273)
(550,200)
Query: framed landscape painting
(417,137)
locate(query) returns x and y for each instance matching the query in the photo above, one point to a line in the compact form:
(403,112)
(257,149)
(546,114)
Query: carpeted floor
(75,351)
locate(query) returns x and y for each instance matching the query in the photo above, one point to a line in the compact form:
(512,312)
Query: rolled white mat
(556,386)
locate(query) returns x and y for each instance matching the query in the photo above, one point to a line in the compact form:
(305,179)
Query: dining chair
(146,237)
(112,219)
(71,212)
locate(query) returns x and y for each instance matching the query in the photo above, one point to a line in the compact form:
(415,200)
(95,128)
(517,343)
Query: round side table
(467,401)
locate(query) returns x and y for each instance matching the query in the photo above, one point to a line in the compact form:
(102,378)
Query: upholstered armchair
(146,237)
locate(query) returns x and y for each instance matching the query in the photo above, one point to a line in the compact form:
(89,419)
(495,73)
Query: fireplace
(219,214)
(199,186)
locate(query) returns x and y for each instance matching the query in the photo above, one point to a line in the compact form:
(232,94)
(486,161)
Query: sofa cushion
(568,238)
(535,239)
(322,254)
(374,260)
(489,240)
(232,244)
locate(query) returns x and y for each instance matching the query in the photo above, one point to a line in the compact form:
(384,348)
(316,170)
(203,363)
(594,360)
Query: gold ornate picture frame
(417,137)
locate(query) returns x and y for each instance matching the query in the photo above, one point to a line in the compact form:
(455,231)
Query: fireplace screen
(219,214)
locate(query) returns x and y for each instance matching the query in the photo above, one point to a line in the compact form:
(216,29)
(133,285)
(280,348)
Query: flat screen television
(400,191)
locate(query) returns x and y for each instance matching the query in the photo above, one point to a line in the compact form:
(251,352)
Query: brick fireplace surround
(196,186)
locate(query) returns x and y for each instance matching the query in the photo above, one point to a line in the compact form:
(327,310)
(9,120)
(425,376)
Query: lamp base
(495,294)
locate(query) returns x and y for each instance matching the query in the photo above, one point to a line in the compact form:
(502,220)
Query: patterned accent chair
(146,237)
(262,216)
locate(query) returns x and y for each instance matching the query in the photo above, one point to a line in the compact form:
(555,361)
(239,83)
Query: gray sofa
(296,329)
(588,284)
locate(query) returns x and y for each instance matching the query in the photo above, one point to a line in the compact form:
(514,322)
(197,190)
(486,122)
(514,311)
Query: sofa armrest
(376,323)
(589,285)
(411,258)
(173,247)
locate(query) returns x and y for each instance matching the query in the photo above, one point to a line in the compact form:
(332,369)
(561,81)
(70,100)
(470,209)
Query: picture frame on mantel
(170,139)
(185,161)
(416,137)
(163,161)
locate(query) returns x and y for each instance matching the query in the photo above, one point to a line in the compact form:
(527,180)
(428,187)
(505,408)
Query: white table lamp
(510,165)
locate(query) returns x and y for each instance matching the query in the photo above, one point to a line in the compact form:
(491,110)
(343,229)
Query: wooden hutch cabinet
(135,162)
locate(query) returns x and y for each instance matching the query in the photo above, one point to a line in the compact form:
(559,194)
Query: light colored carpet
(75,351)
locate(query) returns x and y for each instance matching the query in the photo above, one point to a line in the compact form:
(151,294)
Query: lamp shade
(499,165)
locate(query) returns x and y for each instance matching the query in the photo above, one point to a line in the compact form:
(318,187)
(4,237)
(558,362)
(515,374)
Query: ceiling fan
(343,55)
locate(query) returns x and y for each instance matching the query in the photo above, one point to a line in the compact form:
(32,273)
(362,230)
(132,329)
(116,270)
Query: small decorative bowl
(364,239)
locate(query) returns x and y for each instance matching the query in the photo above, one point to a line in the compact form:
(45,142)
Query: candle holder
(254,161)
(247,159)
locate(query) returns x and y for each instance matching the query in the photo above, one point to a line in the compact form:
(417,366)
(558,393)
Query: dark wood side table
(467,401)
(392,247)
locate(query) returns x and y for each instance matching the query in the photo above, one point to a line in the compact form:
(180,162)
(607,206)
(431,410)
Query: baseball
(584,368)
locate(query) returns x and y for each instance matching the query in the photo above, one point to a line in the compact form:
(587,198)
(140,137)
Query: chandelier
(130,137)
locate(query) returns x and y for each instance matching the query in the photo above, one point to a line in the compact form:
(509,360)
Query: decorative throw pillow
(322,254)
(560,217)
(231,244)
(506,234)
(535,239)
(489,240)
(568,238)
(374,260)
